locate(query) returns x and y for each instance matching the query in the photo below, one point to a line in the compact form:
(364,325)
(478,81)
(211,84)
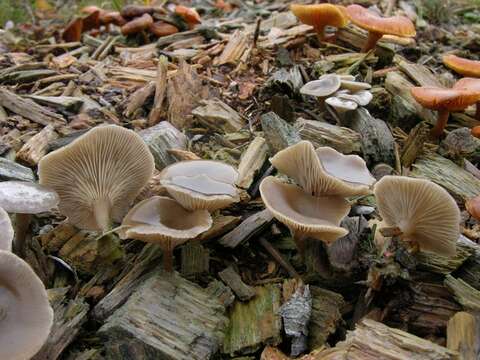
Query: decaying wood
(66,103)
(195,260)
(29,109)
(218,116)
(251,162)
(234,49)
(160,91)
(463,335)
(466,295)
(138,98)
(187,322)
(319,134)
(249,227)
(414,144)
(442,264)
(248,328)
(10,170)
(36,147)
(230,277)
(278,133)
(417,72)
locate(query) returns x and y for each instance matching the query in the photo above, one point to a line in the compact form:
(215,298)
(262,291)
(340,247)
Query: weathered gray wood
(251,162)
(320,133)
(138,98)
(441,264)
(68,320)
(414,144)
(68,103)
(36,147)
(230,277)
(65,140)
(195,259)
(417,72)
(254,323)
(470,271)
(278,133)
(466,295)
(463,335)
(220,291)
(161,138)
(29,109)
(187,323)
(249,227)
(10,170)
(218,116)
(378,145)
(25,76)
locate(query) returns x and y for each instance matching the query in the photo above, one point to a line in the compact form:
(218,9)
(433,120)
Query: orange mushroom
(444,101)
(137,25)
(73,31)
(161,28)
(475,131)
(319,16)
(378,26)
(462,66)
(91,21)
(470,84)
(190,15)
(473,207)
(112,17)
(133,11)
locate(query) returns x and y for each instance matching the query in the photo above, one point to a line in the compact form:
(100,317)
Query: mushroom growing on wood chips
(326,85)
(470,84)
(425,214)
(98,175)
(306,216)
(201,184)
(25,313)
(137,25)
(378,26)
(324,171)
(163,221)
(463,66)
(319,16)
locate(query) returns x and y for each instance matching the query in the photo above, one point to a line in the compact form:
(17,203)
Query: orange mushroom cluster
(132,19)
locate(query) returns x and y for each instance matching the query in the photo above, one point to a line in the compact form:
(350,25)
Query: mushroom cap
(324,86)
(355,85)
(26,197)
(6,231)
(190,15)
(161,219)
(319,15)
(362,97)
(436,98)
(461,65)
(112,17)
(26,315)
(91,21)
(473,207)
(324,171)
(475,131)
(468,83)
(98,175)
(136,25)
(133,11)
(201,184)
(302,213)
(73,31)
(368,20)
(161,28)
(424,212)
(341,105)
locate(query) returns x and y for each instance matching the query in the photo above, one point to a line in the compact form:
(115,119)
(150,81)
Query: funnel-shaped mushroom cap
(26,198)
(341,105)
(136,25)
(449,99)
(6,231)
(319,15)
(302,213)
(25,313)
(161,219)
(98,175)
(325,171)
(201,184)
(368,20)
(324,86)
(462,66)
(355,85)
(362,97)
(424,212)
(468,83)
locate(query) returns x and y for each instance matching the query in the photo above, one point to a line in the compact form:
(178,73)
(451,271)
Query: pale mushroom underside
(26,197)
(6,231)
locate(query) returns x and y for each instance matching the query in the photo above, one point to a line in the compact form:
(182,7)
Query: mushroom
(161,28)
(201,184)
(444,101)
(98,175)
(324,172)
(189,15)
(305,215)
(323,87)
(319,16)
(112,17)
(361,97)
(24,199)
(354,85)
(473,207)
(92,21)
(133,11)
(25,313)
(73,31)
(420,212)
(475,131)
(463,66)
(341,105)
(163,221)
(6,231)
(470,84)
(378,26)
(137,25)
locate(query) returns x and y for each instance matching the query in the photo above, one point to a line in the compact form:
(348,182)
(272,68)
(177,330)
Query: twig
(279,258)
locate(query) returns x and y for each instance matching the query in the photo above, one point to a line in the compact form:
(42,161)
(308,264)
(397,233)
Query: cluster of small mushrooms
(341,92)
(133,19)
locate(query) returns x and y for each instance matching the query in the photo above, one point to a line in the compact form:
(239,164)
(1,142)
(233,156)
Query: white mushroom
(6,231)
(355,85)
(341,105)
(324,86)
(362,97)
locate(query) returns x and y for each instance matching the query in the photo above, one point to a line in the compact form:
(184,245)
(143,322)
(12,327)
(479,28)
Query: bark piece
(230,277)
(419,73)
(218,116)
(65,103)
(195,260)
(249,227)
(251,162)
(160,91)
(138,99)
(161,138)
(254,323)
(342,139)
(466,295)
(278,133)
(10,170)
(414,144)
(36,147)
(441,264)
(233,51)
(167,317)
(463,335)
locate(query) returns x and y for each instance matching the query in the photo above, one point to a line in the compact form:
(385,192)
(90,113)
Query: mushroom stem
(391,231)
(437,130)
(372,40)
(22,224)
(299,239)
(101,210)
(168,257)
(320,30)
